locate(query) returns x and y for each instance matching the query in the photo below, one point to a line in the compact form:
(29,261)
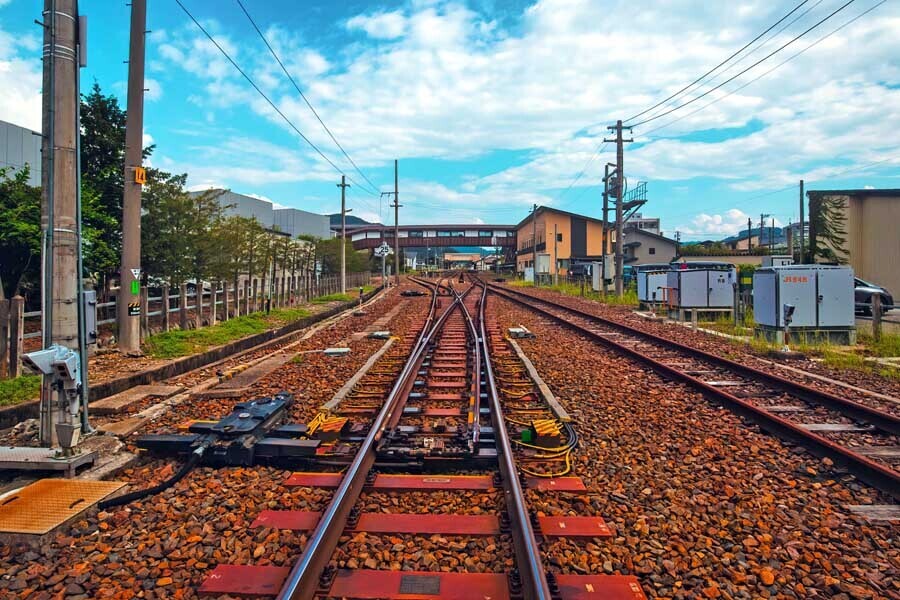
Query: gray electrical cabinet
(822,296)
(652,280)
(702,285)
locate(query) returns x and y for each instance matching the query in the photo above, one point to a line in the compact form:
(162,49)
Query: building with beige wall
(577,238)
(872,226)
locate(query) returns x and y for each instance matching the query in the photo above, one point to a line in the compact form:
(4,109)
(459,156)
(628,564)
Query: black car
(865,291)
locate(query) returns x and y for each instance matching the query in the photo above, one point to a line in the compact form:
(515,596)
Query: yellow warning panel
(47,503)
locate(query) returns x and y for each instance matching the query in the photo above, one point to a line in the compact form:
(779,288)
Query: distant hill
(351,220)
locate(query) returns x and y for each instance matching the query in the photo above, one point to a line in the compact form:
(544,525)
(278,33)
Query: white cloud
(452,83)
(384,25)
(726,224)
(20,80)
(153,89)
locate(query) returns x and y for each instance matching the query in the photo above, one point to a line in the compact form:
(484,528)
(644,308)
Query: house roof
(657,236)
(541,209)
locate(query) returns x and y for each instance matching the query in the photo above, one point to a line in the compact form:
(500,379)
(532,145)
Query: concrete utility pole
(749,234)
(534,275)
(802,235)
(344,185)
(620,199)
(130,271)
(772,237)
(396,224)
(603,227)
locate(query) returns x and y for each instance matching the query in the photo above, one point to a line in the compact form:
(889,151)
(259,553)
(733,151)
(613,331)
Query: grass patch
(725,324)
(888,346)
(174,344)
(628,298)
(18,390)
(333,298)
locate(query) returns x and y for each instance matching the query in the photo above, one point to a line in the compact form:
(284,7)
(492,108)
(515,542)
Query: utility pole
(555,257)
(60,198)
(802,236)
(603,230)
(677,244)
(772,237)
(620,199)
(130,271)
(534,275)
(762,228)
(749,235)
(344,185)
(396,224)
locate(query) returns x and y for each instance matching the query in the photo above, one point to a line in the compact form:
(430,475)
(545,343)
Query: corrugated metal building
(288,220)
(19,147)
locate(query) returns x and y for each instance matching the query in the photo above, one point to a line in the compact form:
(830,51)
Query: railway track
(436,468)
(860,438)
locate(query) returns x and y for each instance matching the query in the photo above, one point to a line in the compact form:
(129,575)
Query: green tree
(827,236)
(329,252)
(20,234)
(166,227)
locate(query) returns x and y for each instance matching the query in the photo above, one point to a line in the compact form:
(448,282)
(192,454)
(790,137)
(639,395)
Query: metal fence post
(16,331)
(247,297)
(182,307)
(213,297)
(165,307)
(198,305)
(225,300)
(4,338)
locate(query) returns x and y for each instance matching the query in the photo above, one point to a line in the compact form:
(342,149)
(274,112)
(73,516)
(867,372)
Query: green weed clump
(177,343)
(20,389)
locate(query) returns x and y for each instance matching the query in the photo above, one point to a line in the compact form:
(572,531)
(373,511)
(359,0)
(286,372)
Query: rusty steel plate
(442,412)
(429,523)
(415,585)
(433,482)
(297,520)
(555,484)
(244,580)
(574,527)
(48,503)
(597,587)
(319,480)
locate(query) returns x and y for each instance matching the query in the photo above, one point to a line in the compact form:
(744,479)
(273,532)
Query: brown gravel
(703,505)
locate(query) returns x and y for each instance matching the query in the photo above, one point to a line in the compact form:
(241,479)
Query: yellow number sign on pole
(140,175)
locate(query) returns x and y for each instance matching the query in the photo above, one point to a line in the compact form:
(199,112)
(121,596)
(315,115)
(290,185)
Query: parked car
(865,291)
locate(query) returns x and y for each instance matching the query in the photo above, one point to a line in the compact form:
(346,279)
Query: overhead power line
(374,190)
(776,67)
(718,66)
(730,79)
(260,92)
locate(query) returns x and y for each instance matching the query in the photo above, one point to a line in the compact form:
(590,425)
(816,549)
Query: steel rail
(305,576)
(866,469)
(527,550)
(880,419)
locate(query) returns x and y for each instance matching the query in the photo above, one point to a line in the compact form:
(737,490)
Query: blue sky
(491,106)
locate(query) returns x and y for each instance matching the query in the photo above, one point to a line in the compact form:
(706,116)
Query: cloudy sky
(493,105)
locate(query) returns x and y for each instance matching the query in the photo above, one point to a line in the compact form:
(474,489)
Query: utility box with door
(597,272)
(777,260)
(701,287)
(822,297)
(653,282)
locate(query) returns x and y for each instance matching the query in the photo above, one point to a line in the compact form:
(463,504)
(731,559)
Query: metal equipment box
(822,296)
(702,285)
(652,281)
(777,260)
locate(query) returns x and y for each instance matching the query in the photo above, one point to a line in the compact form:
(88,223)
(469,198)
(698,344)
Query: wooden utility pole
(59,201)
(344,185)
(130,271)
(620,200)
(396,206)
(802,225)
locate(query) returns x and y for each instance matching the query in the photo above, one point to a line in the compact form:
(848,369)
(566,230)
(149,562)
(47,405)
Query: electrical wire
(721,64)
(374,190)
(730,79)
(778,66)
(259,91)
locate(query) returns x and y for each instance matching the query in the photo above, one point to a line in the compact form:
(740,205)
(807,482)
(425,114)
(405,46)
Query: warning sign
(136,273)
(140,175)
(134,309)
